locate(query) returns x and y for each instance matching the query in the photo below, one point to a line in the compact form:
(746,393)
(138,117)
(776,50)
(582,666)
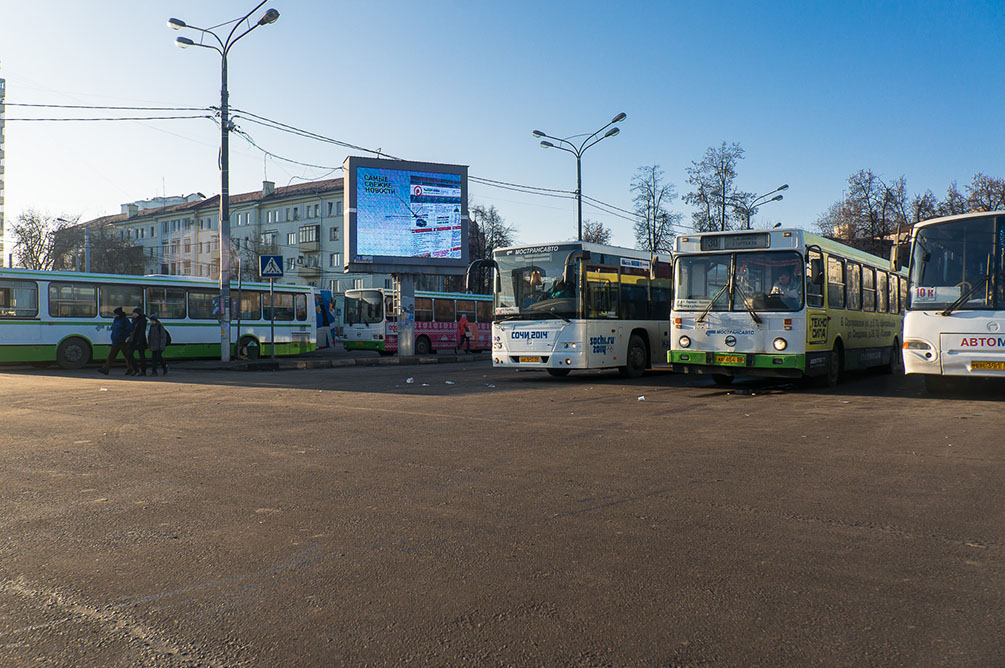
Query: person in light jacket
(157,341)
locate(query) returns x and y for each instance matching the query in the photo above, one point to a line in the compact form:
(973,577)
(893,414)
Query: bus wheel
(896,363)
(638,355)
(73,353)
(243,346)
(422,346)
(722,379)
(834,367)
(558,373)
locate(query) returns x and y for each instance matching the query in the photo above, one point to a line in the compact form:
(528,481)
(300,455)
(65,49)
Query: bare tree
(655,223)
(870,212)
(718,204)
(954,203)
(596,232)
(487,231)
(35,242)
(109,252)
(986,193)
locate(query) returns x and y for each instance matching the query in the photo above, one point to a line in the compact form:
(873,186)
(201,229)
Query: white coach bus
(955,322)
(65,316)
(580,305)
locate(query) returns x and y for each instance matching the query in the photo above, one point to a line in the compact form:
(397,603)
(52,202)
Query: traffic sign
(270,266)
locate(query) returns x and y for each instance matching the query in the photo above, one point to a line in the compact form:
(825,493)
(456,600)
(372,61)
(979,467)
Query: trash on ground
(642,398)
(104,389)
(450,382)
(409,380)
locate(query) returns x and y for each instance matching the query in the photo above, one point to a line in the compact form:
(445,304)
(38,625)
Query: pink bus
(371,321)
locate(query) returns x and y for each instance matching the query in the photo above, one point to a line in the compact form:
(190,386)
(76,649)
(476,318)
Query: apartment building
(302,222)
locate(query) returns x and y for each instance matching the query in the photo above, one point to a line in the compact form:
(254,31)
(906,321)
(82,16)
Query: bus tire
(558,373)
(896,363)
(422,346)
(638,358)
(835,365)
(722,379)
(242,346)
(73,353)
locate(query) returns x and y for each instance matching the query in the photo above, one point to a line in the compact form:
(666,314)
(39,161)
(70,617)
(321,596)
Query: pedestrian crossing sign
(270,266)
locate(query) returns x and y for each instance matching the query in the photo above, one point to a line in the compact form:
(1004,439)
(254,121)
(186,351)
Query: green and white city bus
(784,303)
(65,317)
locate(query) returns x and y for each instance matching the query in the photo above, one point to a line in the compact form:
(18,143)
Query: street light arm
(611,133)
(562,148)
(185,44)
(239,21)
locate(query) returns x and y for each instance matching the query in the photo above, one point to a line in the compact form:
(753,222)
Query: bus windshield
(762,281)
(533,286)
(952,264)
(364,307)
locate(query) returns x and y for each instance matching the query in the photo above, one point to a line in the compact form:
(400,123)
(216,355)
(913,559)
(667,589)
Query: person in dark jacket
(157,339)
(138,343)
(120,333)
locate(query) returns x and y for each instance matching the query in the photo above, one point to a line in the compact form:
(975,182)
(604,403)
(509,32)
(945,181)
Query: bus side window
(882,294)
(423,309)
(662,287)
(601,292)
(814,290)
(835,282)
(853,288)
(484,309)
(443,310)
(113,295)
(892,291)
(868,289)
(18,299)
(300,307)
(251,305)
(390,311)
(73,300)
(902,282)
(466,307)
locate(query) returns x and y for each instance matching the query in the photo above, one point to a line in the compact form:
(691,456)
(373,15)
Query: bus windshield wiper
(750,310)
(712,303)
(558,315)
(965,297)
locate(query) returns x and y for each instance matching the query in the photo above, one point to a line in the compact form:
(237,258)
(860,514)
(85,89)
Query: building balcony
(309,272)
(309,246)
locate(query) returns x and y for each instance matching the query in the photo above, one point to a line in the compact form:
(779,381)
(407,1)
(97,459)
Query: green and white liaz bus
(784,303)
(66,317)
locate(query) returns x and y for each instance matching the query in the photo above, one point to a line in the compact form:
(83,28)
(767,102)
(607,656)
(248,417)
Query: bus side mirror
(817,271)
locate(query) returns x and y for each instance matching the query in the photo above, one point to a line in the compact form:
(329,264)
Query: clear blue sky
(812,91)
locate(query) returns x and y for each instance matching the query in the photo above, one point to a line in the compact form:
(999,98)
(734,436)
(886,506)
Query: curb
(302,364)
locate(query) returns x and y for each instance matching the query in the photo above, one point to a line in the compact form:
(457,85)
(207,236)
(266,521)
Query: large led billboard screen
(402,217)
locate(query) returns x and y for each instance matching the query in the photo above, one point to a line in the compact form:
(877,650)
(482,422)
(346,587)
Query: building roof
(213,203)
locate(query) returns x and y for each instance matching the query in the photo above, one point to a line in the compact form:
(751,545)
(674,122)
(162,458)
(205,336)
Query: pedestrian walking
(138,343)
(120,334)
(463,334)
(158,339)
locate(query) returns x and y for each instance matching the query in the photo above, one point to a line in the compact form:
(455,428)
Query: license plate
(995,366)
(730,359)
(530,359)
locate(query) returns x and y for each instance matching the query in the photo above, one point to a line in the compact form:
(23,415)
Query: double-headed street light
(569,147)
(754,203)
(223,48)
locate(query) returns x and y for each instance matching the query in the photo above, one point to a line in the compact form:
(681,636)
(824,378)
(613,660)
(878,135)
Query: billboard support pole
(405,284)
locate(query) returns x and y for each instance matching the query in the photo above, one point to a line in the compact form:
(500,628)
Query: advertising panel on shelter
(405,217)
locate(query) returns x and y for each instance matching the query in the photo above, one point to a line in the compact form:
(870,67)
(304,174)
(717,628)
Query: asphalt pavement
(458,515)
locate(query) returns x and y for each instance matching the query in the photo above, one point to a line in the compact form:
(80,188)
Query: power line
(251,141)
(126,108)
(119,118)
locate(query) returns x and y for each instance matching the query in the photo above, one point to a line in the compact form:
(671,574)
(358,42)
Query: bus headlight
(780,343)
(684,341)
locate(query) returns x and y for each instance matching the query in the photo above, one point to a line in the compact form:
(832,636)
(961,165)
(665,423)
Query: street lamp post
(754,203)
(270,16)
(569,147)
